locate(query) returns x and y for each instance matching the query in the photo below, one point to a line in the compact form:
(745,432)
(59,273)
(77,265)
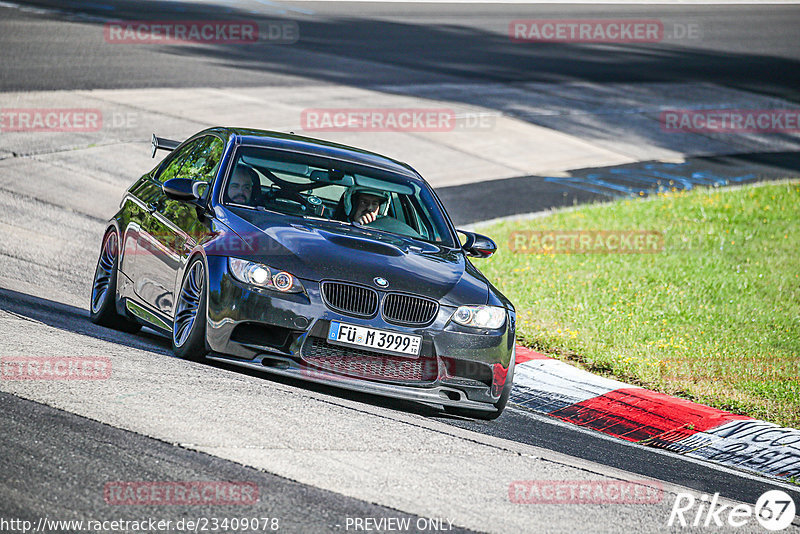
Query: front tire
(102,304)
(189,326)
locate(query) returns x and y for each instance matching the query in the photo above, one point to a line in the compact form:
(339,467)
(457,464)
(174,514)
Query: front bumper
(440,395)
(275,332)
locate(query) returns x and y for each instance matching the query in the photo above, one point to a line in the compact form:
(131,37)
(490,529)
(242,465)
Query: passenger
(244,186)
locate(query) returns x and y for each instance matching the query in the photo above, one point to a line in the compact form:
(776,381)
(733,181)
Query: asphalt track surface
(54,462)
(85,455)
(364,44)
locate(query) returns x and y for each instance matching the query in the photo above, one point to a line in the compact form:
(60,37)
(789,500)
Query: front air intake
(350,299)
(409,310)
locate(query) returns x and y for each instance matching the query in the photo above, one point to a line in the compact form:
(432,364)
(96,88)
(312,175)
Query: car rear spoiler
(159,143)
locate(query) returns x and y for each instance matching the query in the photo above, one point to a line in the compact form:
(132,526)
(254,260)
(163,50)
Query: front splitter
(437,395)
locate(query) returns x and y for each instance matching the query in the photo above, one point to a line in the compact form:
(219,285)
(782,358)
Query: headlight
(480,316)
(260,275)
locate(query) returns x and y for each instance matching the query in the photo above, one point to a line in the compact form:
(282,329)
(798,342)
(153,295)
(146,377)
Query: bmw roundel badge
(381,282)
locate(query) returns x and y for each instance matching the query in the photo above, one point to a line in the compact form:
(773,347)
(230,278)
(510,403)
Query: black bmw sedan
(308,259)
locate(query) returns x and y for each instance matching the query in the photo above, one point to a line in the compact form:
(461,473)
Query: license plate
(361,336)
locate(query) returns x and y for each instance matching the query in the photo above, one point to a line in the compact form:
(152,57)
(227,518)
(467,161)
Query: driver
(243,186)
(366,205)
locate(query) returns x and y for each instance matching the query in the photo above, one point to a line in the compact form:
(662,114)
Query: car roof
(319,147)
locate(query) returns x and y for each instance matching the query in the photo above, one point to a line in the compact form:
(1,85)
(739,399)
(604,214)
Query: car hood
(322,250)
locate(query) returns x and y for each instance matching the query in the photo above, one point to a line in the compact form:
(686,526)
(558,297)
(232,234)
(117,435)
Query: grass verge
(713,317)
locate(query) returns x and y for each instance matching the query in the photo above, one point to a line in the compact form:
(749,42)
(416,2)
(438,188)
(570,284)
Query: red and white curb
(560,390)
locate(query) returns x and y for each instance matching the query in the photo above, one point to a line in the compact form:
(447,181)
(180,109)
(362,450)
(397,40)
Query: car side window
(197,160)
(204,161)
(176,162)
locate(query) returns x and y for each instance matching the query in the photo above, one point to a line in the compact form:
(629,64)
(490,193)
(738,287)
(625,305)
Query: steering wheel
(291,191)
(290,195)
(286,185)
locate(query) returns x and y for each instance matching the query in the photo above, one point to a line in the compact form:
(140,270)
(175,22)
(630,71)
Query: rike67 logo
(774,510)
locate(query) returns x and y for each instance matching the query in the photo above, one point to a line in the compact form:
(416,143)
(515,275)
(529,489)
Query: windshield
(311,186)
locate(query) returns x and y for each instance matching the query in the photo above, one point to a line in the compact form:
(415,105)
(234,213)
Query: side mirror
(183,189)
(477,245)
